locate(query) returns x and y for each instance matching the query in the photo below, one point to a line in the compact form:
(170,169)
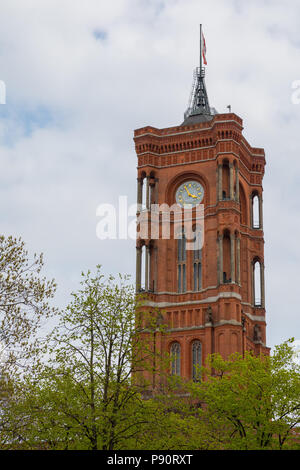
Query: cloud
(81,77)
(100,34)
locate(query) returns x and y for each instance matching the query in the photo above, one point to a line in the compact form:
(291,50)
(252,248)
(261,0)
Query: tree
(24,304)
(175,423)
(24,300)
(251,402)
(89,393)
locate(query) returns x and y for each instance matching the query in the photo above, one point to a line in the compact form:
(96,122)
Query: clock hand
(187,190)
(191,195)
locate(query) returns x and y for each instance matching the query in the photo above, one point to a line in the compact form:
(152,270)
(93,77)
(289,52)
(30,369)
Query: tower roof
(198,109)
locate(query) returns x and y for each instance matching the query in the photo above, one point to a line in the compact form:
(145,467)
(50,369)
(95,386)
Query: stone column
(260,211)
(232,257)
(231,186)
(156,191)
(220,176)
(253,283)
(147,268)
(148,194)
(138,267)
(237,185)
(251,211)
(220,263)
(217,183)
(155,267)
(238,260)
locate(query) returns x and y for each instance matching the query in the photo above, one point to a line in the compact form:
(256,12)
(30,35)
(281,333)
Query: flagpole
(200,48)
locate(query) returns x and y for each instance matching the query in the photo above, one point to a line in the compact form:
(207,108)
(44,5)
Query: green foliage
(175,423)
(253,400)
(24,306)
(92,392)
(88,395)
(24,297)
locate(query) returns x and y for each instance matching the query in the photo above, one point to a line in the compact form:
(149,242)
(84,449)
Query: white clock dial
(189,193)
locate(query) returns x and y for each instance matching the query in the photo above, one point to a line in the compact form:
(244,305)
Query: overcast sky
(81,76)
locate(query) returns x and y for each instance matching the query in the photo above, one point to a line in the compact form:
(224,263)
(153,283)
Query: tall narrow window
(226,257)
(255,211)
(179,278)
(197,260)
(183,278)
(257,283)
(144,193)
(226,181)
(196,360)
(175,359)
(181,260)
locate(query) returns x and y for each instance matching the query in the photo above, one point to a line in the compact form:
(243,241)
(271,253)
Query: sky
(81,76)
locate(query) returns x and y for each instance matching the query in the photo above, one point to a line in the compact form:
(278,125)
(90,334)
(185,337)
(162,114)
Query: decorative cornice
(187,131)
(213,299)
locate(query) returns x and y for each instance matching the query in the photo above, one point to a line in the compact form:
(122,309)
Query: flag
(203,49)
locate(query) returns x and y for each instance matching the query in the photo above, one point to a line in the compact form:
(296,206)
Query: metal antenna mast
(200,47)
(198,102)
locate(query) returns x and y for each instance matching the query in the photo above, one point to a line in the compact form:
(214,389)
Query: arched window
(225,181)
(144,193)
(175,358)
(181,262)
(144,267)
(257,284)
(255,211)
(226,257)
(196,360)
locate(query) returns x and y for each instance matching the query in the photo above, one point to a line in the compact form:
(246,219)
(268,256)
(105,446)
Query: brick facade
(224,314)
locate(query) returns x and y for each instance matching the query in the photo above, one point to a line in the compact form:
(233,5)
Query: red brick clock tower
(212,298)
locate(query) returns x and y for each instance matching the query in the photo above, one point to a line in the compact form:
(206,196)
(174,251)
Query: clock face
(189,193)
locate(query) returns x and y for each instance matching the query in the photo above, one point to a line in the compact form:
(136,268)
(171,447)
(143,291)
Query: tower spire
(198,109)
